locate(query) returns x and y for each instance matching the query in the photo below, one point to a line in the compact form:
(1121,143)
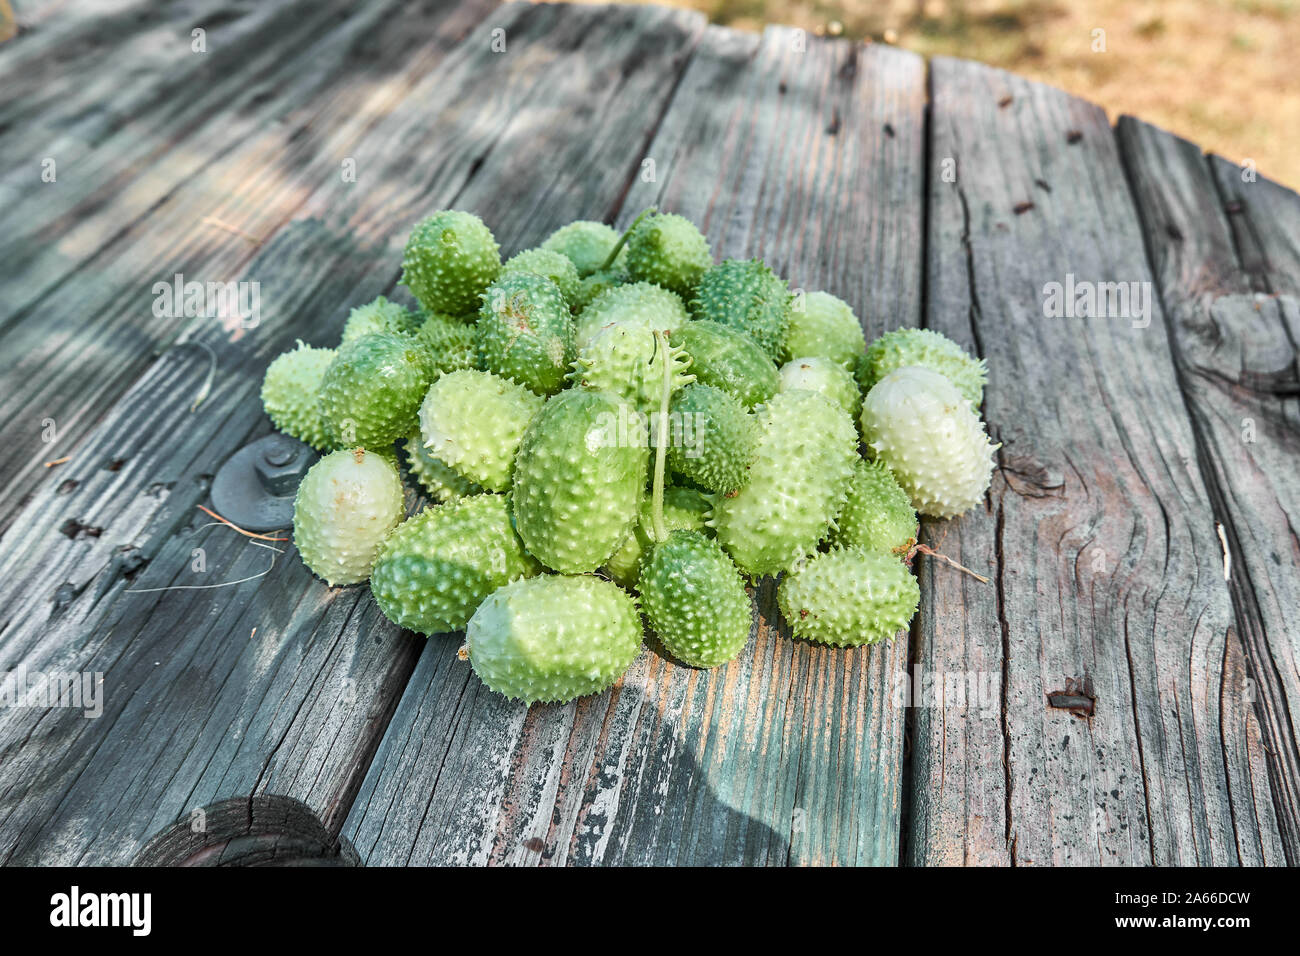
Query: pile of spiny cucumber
(615,427)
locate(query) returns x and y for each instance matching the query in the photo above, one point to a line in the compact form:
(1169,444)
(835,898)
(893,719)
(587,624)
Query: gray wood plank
(1098,525)
(88,330)
(68,57)
(197,703)
(33,14)
(130,110)
(1225,249)
(56,27)
(1265,228)
(791,753)
(199,708)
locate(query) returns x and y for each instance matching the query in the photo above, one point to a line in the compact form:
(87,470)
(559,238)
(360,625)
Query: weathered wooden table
(280,720)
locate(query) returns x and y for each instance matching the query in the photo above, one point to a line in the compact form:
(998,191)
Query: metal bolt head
(279,453)
(255,487)
(281,465)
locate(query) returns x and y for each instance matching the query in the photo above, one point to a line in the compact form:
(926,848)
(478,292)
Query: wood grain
(189,191)
(199,707)
(1225,249)
(1098,527)
(301,727)
(792,753)
(207,693)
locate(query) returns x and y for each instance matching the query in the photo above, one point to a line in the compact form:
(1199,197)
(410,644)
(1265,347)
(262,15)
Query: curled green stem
(661,443)
(622,240)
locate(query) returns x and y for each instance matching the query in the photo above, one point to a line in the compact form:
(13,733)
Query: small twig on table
(925,549)
(261,537)
(206,387)
(235,230)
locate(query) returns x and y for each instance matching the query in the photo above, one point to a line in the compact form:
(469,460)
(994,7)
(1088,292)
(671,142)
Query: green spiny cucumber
(586,244)
(554,637)
(439,480)
(556,266)
(719,438)
(849,597)
(346,504)
(474,421)
(928,349)
(668,250)
(436,567)
(593,286)
(379,315)
(917,423)
(825,326)
(373,389)
(826,377)
(641,303)
(290,392)
(746,295)
(450,258)
(525,332)
(878,514)
(796,487)
(576,486)
(695,599)
(448,343)
(625,360)
(728,359)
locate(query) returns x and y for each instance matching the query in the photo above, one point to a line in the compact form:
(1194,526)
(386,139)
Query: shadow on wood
(633,776)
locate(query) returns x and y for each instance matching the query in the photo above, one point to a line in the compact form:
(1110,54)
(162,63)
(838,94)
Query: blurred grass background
(1222,73)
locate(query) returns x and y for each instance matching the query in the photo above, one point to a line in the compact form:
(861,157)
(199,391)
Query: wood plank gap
(1183,305)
